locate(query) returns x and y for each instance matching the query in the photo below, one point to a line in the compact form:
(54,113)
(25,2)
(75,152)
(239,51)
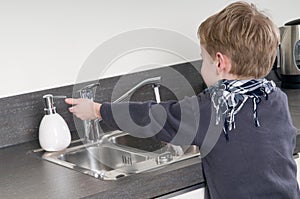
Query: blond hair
(248,37)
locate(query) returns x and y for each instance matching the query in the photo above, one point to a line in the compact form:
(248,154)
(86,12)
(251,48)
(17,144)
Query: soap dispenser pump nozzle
(49,107)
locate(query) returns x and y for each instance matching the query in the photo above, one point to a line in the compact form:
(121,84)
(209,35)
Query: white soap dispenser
(54,133)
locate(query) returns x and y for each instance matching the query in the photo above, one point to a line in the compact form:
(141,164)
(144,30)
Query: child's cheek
(205,74)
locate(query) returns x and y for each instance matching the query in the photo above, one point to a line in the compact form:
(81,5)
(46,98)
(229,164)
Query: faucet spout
(156,93)
(154,80)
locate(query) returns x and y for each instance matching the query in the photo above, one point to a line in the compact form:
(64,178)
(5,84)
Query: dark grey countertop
(25,176)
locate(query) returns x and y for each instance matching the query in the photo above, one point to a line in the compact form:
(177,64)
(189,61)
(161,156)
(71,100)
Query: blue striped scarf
(229,96)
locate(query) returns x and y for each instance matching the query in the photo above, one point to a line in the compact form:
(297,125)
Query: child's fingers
(71,109)
(71,101)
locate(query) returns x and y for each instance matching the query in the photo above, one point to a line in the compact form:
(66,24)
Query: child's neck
(235,77)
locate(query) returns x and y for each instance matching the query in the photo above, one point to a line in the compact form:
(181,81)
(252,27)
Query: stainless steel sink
(102,157)
(119,154)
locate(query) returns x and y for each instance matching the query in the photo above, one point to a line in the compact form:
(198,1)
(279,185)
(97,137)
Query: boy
(252,156)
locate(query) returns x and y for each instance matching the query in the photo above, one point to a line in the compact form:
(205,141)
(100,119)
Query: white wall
(43,44)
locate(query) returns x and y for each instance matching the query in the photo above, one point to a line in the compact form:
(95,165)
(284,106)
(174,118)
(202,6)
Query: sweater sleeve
(176,122)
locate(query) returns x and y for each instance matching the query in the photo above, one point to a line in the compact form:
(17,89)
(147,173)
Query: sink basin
(102,158)
(144,144)
(119,154)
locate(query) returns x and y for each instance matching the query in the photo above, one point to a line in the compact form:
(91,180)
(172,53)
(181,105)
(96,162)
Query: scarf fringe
(229,96)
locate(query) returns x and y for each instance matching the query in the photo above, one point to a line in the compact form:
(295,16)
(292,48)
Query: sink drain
(164,158)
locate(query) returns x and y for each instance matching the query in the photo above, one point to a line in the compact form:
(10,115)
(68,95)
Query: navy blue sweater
(256,162)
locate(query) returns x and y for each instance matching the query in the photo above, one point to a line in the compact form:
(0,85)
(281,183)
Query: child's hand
(84,109)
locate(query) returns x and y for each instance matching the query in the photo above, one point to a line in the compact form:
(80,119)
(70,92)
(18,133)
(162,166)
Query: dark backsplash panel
(21,114)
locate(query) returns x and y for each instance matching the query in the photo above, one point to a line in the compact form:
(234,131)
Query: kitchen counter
(24,175)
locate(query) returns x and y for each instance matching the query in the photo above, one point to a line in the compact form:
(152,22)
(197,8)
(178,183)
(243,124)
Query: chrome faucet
(171,149)
(92,131)
(154,80)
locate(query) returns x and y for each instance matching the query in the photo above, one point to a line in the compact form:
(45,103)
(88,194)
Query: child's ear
(223,63)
